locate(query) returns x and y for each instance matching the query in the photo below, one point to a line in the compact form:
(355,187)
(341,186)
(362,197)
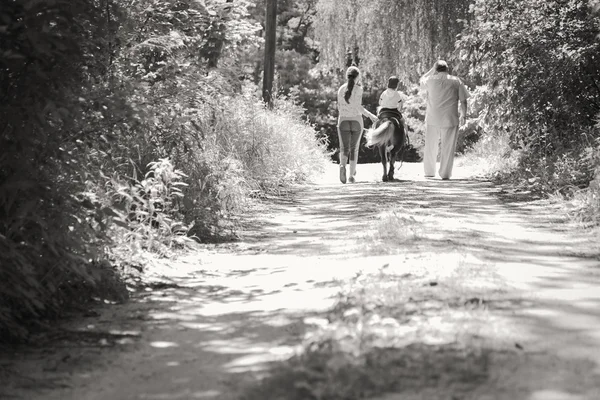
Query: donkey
(390,136)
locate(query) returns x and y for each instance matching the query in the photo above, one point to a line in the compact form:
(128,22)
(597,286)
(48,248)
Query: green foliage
(584,206)
(246,150)
(538,61)
(492,155)
(122,125)
(360,33)
(51,235)
(414,115)
(147,213)
(182,58)
(275,147)
(388,37)
(195,114)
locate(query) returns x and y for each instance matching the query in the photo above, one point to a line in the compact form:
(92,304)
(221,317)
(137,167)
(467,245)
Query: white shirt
(390,98)
(353,109)
(444,92)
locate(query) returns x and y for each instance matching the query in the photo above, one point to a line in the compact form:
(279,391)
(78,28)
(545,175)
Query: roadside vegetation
(537,96)
(134,130)
(128,130)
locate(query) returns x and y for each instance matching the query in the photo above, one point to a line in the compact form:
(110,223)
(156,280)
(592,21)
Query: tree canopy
(385,37)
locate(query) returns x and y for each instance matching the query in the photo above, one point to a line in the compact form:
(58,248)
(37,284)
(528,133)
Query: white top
(353,109)
(390,98)
(444,92)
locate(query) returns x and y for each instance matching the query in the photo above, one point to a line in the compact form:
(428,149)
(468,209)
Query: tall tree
(270,42)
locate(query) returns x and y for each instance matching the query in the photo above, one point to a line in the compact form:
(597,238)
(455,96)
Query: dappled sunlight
(431,282)
(460,210)
(162,345)
(462,285)
(546,302)
(260,360)
(554,395)
(182,394)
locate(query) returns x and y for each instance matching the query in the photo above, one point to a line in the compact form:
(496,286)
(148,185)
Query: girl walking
(350,123)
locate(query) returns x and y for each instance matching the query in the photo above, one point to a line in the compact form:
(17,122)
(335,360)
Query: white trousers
(433,135)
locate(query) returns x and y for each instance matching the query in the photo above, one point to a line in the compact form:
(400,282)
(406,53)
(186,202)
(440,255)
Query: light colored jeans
(448,147)
(349,133)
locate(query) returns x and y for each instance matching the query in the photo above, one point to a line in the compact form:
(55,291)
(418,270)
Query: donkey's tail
(380,135)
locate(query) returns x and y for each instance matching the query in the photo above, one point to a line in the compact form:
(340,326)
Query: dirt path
(224,315)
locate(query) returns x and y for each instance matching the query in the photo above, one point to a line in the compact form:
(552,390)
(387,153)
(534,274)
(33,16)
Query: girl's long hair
(351,74)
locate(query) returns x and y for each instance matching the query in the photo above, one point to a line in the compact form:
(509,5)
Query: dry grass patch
(422,325)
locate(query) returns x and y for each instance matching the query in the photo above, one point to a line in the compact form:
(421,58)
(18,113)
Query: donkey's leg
(397,150)
(392,159)
(383,155)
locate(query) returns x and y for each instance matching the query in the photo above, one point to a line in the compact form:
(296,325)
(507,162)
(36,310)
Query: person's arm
(400,103)
(369,114)
(423,82)
(463,95)
(463,112)
(360,107)
(427,75)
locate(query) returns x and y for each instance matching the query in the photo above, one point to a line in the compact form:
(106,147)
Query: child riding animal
(389,133)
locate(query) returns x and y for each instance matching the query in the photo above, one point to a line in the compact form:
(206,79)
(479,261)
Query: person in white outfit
(444,93)
(391,99)
(350,123)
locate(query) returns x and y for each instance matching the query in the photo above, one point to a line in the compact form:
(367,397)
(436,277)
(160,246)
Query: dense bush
(51,235)
(247,151)
(538,61)
(126,126)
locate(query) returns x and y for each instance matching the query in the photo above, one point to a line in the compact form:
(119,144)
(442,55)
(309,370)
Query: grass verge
(419,328)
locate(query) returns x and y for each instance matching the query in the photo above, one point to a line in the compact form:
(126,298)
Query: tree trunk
(270,38)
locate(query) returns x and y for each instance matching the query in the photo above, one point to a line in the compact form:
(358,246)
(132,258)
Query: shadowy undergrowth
(124,133)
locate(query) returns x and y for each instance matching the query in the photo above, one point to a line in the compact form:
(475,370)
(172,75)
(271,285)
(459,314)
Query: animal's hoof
(390,178)
(385,178)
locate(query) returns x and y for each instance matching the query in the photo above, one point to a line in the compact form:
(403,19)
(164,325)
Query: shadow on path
(218,320)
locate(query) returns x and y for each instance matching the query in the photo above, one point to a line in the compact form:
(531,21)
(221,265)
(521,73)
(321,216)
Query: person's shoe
(445,179)
(343,173)
(351,179)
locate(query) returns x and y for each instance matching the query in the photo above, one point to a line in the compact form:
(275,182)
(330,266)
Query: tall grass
(242,150)
(585,203)
(571,178)
(276,148)
(584,206)
(237,151)
(491,155)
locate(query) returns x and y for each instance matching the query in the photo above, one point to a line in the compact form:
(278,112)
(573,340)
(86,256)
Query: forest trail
(217,319)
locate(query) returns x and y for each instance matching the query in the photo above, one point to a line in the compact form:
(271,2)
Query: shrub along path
(416,289)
